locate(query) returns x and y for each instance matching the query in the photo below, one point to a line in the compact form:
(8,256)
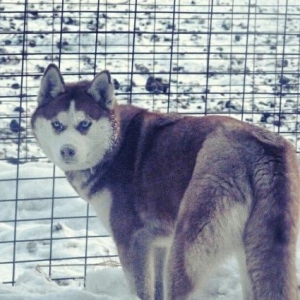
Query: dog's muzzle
(68,153)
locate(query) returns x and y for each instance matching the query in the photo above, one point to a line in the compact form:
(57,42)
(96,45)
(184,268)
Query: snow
(102,284)
(109,284)
(33,210)
(57,233)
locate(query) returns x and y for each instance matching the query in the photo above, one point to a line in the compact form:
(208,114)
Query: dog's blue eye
(57,126)
(84,126)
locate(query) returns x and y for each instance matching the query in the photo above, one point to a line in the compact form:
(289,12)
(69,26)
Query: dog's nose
(67,152)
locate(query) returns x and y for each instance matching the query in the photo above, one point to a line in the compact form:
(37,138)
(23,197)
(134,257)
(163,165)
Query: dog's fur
(199,189)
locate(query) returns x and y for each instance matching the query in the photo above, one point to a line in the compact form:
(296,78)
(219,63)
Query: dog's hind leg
(209,228)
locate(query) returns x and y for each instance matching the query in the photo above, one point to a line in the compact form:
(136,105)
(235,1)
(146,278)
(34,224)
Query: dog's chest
(101,201)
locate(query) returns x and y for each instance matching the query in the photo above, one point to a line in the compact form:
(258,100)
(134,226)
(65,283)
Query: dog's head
(74,124)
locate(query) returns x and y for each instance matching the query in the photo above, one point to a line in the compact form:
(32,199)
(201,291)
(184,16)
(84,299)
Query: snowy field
(248,67)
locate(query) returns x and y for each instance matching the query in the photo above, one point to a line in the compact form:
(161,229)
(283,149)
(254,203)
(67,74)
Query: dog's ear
(102,89)
(52,85)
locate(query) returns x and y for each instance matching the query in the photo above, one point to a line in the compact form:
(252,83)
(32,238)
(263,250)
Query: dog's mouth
(72,165)
(68,166)
(69,161)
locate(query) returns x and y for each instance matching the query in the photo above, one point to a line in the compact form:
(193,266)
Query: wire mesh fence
(235,57)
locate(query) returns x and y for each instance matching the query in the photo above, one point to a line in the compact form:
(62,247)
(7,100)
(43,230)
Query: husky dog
(198,189)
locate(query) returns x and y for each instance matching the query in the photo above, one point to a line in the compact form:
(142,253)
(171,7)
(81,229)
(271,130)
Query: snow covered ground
(252,62)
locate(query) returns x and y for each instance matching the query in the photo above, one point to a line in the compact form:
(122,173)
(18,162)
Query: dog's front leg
(137,261)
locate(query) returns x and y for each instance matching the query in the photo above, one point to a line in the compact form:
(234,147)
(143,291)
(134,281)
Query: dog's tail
(271,230)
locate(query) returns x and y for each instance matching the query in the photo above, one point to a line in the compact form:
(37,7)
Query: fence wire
(235,57)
